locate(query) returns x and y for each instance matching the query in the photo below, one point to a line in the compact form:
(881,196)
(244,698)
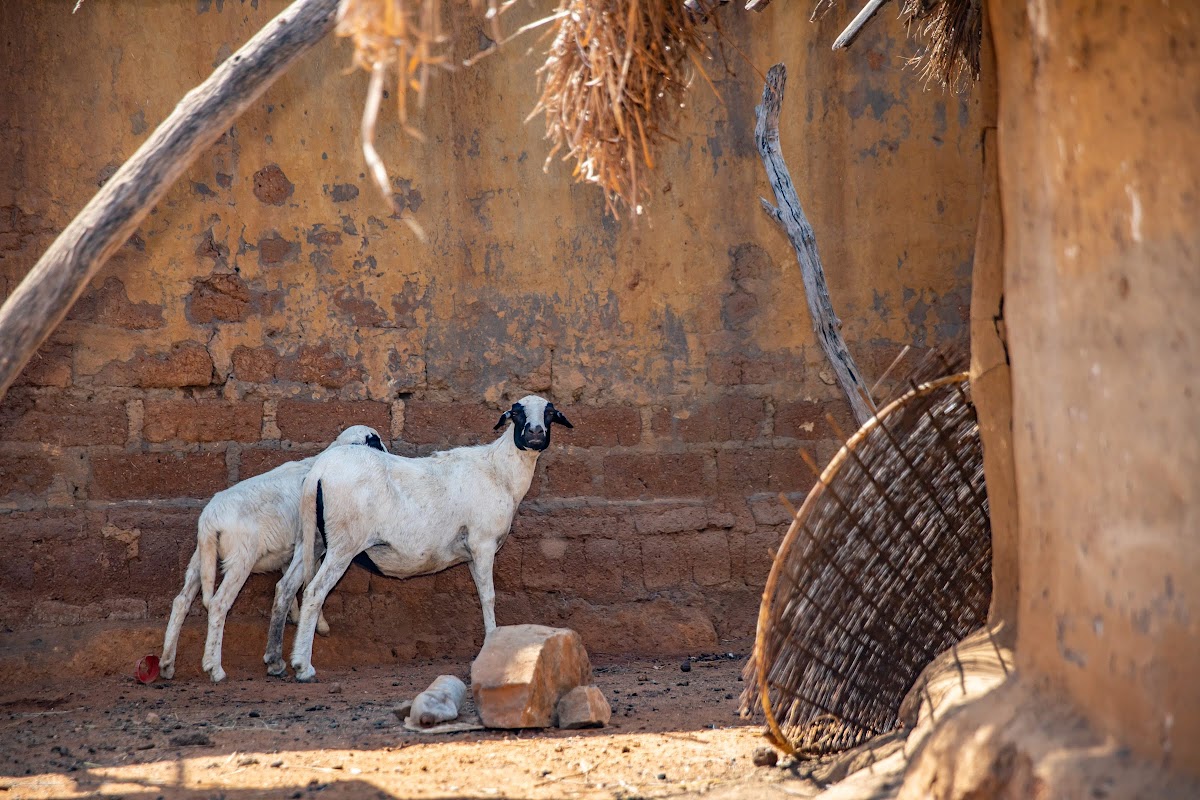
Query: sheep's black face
(532,417)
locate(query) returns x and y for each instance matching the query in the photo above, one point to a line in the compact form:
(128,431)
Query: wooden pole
(790,215)
(54,284)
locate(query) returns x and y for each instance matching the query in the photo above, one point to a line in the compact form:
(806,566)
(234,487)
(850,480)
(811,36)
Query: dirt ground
(673,734)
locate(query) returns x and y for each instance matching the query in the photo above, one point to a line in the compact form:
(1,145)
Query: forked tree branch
(790,215)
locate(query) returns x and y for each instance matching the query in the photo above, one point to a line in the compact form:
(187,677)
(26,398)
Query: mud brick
(137,476)
(255,365)
(553,564)
(25,474)
(165,545)
(760,549)
(222,297)
(665,565)
(195,420)
(185,364)
(602,427)
(322,421)
(50,366)
(319,365)
(603,559)
(806,419)
(449,424)
(109,305)
(672,520)
(732,418)
(762,470)
(709,555)
(256,462)
(62,420)
(567,476)
(654,476)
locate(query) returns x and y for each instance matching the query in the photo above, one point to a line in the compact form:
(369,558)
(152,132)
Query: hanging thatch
(886,564)
(952,31)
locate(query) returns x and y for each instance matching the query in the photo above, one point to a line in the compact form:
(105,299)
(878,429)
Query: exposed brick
(688,518)
(709,556)
(50,366)
(185,364)
(654,476)
(61,420)
(256,462)
(448,424)
(320,365)
(806,419)
(603,522)
(255,365)
(109,304)
(664,563)
(566,476)
(603,559)
(271,185)
(760,549)
(322,421)
(136,476)
(603,427)
(274,250)
(553,564)
(506,571)
(165,545)
(222,297)
(25,474)
(762,470)
(195,420)
(355,580)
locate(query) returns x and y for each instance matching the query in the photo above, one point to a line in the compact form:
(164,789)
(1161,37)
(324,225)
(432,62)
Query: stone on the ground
(583,707)
(523,670)
(765,757)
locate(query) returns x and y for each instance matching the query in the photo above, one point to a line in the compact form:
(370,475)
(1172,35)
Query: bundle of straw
(614,77)
(953,33)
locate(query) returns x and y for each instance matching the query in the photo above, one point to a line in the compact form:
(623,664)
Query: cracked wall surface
(272,297)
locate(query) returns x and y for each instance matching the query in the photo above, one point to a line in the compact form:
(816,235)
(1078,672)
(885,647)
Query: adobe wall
(1100,186)
(272,298)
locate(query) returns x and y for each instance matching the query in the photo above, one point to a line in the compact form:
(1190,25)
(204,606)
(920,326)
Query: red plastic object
(147,669)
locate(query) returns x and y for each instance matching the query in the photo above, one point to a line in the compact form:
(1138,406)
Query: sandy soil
(673,734)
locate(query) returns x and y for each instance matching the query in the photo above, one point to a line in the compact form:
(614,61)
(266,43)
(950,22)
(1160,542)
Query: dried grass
(953,33)
(614,79)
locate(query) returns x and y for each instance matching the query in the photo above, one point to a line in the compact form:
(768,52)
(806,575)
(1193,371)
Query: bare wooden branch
(847,37)
(790,215)
(54,284)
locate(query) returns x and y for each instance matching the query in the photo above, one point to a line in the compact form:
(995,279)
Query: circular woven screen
(886,564)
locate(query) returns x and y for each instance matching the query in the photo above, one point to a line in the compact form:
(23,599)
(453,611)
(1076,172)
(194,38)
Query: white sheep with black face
(252,526)
(413,516)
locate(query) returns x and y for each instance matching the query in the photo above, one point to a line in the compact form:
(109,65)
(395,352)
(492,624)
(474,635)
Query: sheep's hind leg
(285,595)
(218,609)
(331,571)
(179,610)
(294,618)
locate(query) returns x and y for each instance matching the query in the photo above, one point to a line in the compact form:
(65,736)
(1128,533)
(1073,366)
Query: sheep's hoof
(217,674)
(306,675)
(166,670)
(277,668)
(322,627)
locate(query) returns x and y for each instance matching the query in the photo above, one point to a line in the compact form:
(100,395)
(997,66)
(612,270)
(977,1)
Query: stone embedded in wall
(185,364)
(62,420)
(322,421)
(149,476)
(271,186)
(274,250)
(223,297)
(658,475)
(109,304)
(195,420)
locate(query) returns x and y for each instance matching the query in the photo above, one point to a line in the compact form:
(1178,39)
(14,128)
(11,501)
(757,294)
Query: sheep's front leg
(179,610)
(285,596)
(331,571)
(218,609)
(483,556)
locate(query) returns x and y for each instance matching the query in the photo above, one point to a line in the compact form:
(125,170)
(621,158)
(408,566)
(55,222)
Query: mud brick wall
(272,298)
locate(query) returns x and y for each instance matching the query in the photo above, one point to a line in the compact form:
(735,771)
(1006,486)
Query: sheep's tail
(207,539)
(310,509)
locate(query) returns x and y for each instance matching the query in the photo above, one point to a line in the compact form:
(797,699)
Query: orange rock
(583,707)
(523,670)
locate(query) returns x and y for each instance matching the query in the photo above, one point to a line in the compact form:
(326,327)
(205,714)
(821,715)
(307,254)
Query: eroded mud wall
(1100,188)
(272,298)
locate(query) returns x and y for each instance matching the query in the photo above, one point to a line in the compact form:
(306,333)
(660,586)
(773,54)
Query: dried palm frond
(614,77)
(953,33)
(886,564)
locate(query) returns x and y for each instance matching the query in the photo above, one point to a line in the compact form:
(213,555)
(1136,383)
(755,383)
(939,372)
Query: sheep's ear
(375,443)
(557,416)
(504,418)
